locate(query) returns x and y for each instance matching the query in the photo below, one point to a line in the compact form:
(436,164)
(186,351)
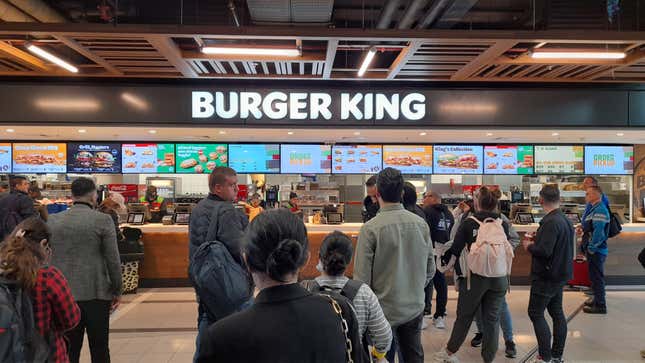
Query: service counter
(166,253)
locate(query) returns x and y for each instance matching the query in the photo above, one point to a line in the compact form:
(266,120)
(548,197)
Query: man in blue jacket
(594,243)
(588,182)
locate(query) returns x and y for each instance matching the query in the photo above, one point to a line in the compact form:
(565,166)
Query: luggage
(580,272)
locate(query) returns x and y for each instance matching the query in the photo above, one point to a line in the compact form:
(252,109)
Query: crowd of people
(252,305)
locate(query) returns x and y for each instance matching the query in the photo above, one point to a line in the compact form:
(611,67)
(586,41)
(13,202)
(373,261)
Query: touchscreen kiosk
(524,218)
(182,218)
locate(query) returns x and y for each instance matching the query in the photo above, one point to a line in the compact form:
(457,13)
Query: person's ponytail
(284,259)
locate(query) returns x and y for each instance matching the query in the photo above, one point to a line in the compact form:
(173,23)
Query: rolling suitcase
(580,272)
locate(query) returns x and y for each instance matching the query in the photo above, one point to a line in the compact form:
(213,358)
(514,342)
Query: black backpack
(20,341)
(614,224)
(348,292)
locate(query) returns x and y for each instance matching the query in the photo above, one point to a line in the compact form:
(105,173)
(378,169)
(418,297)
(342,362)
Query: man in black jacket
(551,268)
(15,207)
(370,203)
(440,220)
(216,219)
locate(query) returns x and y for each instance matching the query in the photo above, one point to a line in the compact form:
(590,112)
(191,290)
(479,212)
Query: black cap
(293,195)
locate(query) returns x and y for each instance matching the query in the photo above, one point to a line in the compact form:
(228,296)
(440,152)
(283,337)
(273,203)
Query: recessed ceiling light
(620,134)
(152,131)
(423,133)
(82,131)
(222,132)
(10,130)
(489,134)
(290,133)
(357,133)
(555,134)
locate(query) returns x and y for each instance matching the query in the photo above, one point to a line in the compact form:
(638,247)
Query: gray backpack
(20,341)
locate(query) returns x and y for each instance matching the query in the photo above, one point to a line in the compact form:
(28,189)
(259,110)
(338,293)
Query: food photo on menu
(201,158)
(94,158)
(357,159)
(508,159)
(458,159)
(5,158)
(409,159)
(148,158)
(40,158)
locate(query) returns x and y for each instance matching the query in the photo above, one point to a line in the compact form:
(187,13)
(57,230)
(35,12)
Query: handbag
(344,326)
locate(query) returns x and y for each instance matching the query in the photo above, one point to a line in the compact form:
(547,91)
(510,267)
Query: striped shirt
(371,319)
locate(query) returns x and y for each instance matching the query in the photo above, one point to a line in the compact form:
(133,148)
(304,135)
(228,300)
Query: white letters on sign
(312,106)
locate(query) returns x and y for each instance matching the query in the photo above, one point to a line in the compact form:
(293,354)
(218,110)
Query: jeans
(548,295)
(407,338)
(597,277)
(488,292)
(95,319)
(505,321)
(439,283)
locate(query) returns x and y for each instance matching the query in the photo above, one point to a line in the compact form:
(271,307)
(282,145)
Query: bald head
(431,198)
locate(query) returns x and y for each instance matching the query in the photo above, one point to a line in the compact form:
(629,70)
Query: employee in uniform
(156,204)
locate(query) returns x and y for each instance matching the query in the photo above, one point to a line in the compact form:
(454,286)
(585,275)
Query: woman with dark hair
(335,255)
(110,207)
(410,200)
(287,323)
(489,292)
(24,256)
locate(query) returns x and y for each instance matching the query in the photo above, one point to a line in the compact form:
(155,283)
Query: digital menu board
(409,159)
(357,159)
(148,158)
(5,158)
(508,159)
(254,158)
(201,158)
(559,159)
(40,158)
(458,159)
(609,160)
(93,158)
(305,159)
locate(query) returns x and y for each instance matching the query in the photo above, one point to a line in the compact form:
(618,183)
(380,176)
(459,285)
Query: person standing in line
(552,252)
(588,182)
(37,196)
(15,207)
(394,257)
(4,190)
(595,232)
(85,250)
(25,259)
(409,200)
(440,220)
(370,203)
(217,210)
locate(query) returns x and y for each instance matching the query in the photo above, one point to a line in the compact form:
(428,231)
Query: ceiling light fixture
(50,57)
(357,133)
(489,134)
(222,132)
(620,134)
(423,133)
(10,130)
(285,52)
(555,134)
(82,131)
(366,61)
(290,133)
(152,131)
(577,55)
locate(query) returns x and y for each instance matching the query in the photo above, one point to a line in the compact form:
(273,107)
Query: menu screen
(201,158)
(254,158)
(409,159)
(458,159)
(40,158)
(609,159)
(305,159)
(5,158)
(357,159)
(559,159)
(148,158)
(508,159)
(94,158)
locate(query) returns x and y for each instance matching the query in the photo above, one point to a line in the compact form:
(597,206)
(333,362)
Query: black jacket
(553,249)
(16,202)
(416,210)
(286,324)
(371,208)
(440,220)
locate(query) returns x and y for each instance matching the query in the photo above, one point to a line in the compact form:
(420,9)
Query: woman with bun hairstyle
(286,323)
(24,256)
(335,255)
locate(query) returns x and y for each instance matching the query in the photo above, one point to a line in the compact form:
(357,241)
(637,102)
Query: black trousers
(548,296)
(407,340)
(95,319)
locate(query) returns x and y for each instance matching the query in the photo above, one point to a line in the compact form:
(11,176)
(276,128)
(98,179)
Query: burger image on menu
(104,160)
(84,159)
(465,161)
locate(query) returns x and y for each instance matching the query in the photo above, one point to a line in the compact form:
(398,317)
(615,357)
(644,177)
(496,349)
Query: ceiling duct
(39,11)
(388,13)
(410,15)
(290,11)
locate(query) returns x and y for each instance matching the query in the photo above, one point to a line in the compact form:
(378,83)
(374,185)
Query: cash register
(522,213)
(182,213)
(137,213)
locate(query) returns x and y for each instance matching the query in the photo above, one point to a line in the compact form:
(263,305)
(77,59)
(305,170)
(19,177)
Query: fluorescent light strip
(578,55)
(52,58)
(286,52)
(366,62)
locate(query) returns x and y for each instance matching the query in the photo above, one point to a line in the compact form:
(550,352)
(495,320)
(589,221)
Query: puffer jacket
(231,224)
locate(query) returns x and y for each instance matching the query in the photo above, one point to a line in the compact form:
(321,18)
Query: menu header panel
(458,159)
(201,158)
(357,159)
(305,159)
(148,158)
(508,159)
(5,158)
(254,158)
(40,158)
(409,159)
(559,159)
(93,158)
(609,160)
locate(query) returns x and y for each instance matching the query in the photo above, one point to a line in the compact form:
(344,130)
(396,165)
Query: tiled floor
(158,325)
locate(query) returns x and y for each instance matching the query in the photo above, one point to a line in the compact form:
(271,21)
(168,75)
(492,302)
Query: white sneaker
(424,324)
(443,357)
(439,323)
